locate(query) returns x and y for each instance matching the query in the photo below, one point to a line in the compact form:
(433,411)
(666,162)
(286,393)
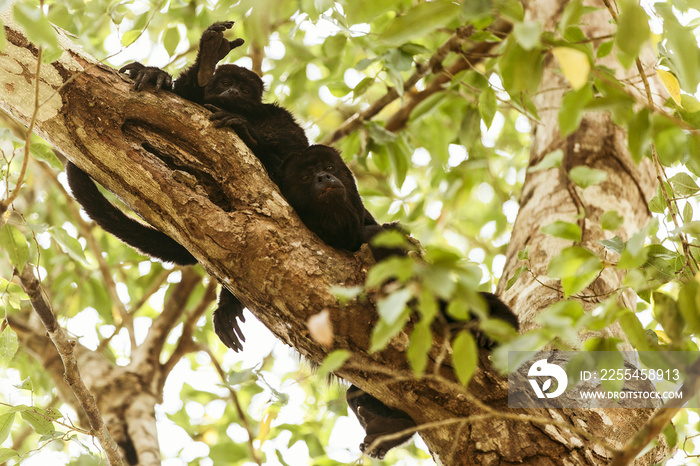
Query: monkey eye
(330,168)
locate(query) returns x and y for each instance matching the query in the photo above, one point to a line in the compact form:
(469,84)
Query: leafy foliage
(450,172)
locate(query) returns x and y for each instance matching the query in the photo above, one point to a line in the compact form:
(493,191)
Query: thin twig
(64,346)
(236,403)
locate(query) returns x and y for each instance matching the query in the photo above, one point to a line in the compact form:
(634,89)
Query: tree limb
(64,346)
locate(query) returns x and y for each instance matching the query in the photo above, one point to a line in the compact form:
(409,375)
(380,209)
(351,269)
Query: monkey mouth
(329,190)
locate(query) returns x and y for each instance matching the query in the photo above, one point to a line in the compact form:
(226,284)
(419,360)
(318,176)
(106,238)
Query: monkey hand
(143,75)
(239,124)
(226,320)
(213,47)
(375,444)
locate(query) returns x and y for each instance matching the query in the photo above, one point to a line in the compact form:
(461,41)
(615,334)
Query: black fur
(315,181)
(238,90)
(321,188)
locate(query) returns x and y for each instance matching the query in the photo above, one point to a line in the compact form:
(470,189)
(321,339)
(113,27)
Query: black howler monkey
(315,181)
(321,189)
(234,94)
(269,130)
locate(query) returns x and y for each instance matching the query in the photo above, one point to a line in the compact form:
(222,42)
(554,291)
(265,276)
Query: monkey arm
(213,47)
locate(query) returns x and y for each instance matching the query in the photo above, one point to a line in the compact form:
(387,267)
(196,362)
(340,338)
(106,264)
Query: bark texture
(202,186)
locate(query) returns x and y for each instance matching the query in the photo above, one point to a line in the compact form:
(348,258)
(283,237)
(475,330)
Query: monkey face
(321,189)
(317,178)
(232,83)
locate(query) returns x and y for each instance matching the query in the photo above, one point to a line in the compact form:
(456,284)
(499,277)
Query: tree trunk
(201,185)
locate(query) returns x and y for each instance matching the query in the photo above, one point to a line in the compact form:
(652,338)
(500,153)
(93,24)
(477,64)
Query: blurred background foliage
(451,172)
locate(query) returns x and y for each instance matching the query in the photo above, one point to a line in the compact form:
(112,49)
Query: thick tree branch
(201,186)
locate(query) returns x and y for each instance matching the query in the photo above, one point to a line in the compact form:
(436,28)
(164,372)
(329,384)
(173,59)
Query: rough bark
(549,195)
(201,186)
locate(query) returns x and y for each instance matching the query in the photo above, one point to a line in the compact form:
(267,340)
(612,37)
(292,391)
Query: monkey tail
(139,236)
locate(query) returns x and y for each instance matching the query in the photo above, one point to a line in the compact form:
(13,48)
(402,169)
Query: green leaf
(683,59)
(345,294)
(689,305)
(524,254)
(634,331)
(488,105)
(565,230)
(477,9)
(464,356)
(632,29)
(69,244)
(383,332)
(585,177)
(604,49)
(171,39)
(417,352)
(38,421)
(9,345)
(521,69)
(15,245)
(392,307)
(561,316)
(241,377)
(7,454)
(519,271)
(400,157)
(683,184)
(45,153)
(130,37)
(470,130)
(36,26)
(571,15)
(511,9)
(400,268)
(615,244)
(671,435)
(687,213)
(576,267)
(528,34)
(6,421)
(638,131)
(572,107)
(367,11)
(419,21)
(611,220)
(551,160)
(333,362)
(3,38)
(666,312)
(26,384)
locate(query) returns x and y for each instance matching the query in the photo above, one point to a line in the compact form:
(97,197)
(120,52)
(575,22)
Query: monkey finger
(218,124)
(131,68)
(139,81)
(236,43)
(219,114)
(160,80)
(222,25)
(213,108)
